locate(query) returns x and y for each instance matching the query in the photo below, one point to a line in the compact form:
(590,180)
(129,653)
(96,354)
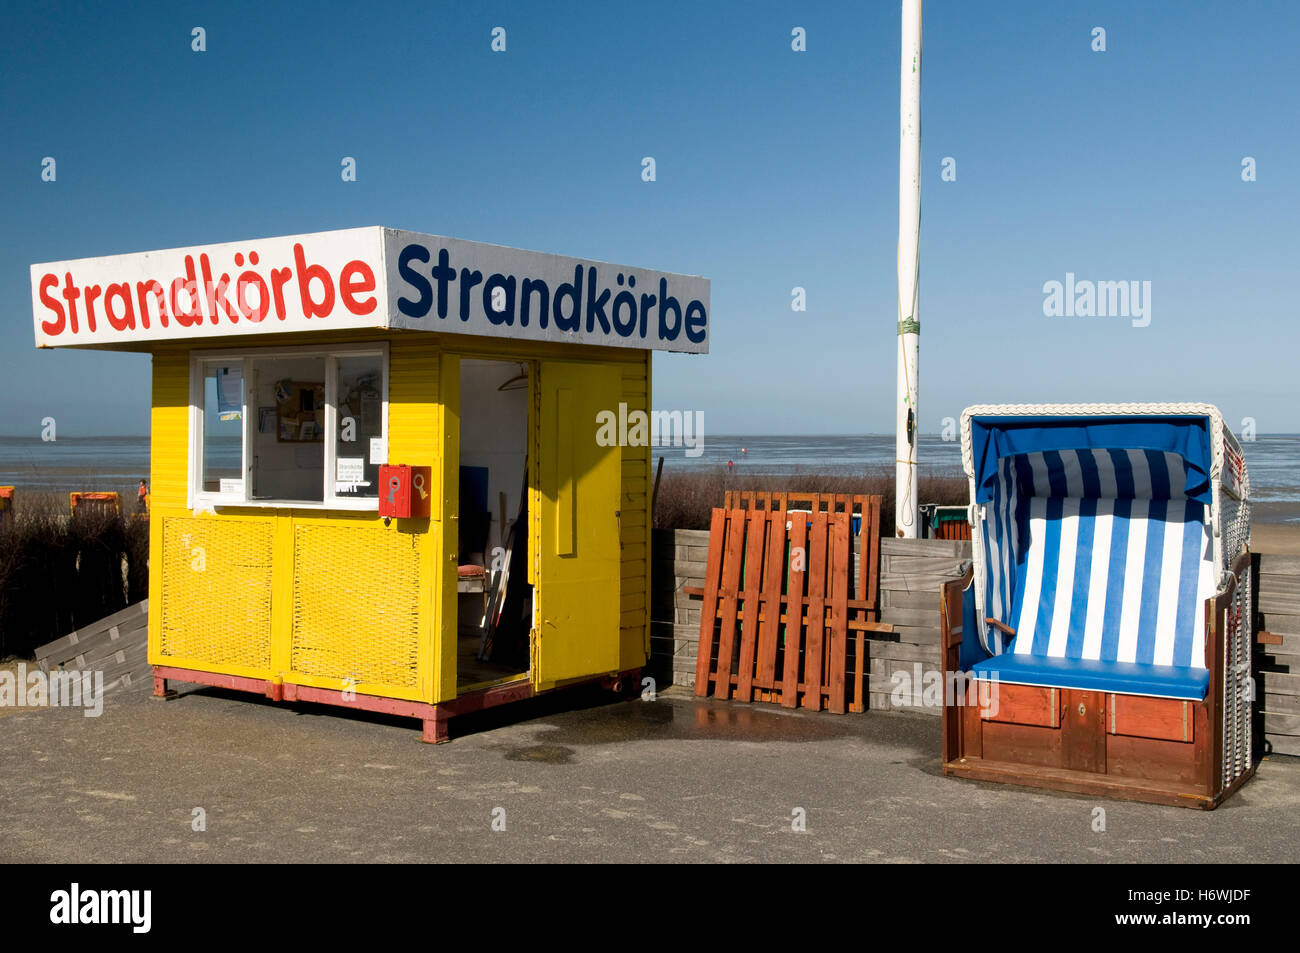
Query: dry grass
(686,499)
(58,573)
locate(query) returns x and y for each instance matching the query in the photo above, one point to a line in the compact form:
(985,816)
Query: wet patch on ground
(537,754)
(704,720)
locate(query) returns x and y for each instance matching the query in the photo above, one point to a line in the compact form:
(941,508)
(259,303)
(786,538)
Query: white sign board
(350,470)
(365,278)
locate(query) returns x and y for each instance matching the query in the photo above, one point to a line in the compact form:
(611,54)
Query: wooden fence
(1277,667)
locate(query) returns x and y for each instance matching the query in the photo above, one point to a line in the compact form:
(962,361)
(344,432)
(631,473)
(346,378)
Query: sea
(117,463)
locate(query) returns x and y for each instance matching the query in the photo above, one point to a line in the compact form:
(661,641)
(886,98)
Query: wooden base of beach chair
(1089,783)
(1098,743)
(1130,747)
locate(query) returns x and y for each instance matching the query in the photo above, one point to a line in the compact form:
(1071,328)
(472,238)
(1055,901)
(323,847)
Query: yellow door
(578,564)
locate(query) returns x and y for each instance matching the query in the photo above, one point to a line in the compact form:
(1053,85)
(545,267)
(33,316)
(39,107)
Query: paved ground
(675,779)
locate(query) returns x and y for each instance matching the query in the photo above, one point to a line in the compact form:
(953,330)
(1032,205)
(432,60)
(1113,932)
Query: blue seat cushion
(1126,678)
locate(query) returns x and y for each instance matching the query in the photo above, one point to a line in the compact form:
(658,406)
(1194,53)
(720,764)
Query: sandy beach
(1281,539)
(1275,528)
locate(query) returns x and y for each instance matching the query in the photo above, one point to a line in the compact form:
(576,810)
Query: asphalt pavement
(572,777)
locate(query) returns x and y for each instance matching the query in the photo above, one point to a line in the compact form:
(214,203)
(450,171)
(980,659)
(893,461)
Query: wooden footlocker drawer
(1167,719)
(1024,705)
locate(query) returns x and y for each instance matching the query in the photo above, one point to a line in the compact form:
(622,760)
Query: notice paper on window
(351,470)
(230,392)
(378,450)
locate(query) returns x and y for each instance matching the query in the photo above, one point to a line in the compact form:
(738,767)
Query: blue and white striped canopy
(1095,538)
(1147,458)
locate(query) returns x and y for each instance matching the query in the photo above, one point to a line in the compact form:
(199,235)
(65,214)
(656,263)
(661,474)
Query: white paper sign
(378,450)
(235,487)
(351,470)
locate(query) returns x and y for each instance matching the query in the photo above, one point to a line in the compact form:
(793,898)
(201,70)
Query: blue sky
(775,169)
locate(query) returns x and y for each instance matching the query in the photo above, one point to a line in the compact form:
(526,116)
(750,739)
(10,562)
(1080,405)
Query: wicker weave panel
(356,605)
(216,591)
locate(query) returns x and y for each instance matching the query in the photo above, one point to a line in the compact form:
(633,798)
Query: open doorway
(494,598)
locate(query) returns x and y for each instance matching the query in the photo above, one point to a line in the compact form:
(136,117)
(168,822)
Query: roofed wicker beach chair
(1103,633)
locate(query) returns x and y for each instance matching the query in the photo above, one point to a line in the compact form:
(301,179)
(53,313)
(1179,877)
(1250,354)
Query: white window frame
(197,498)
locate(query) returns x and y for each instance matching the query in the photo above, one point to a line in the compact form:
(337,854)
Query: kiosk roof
(363,278)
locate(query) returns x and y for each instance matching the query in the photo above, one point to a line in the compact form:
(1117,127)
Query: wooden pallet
(116,645)
(780,599)
(784,500)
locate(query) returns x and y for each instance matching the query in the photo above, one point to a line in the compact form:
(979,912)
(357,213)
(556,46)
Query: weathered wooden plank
(709,610)
(839,650)
(1279,683)
(817,570)
(104,646)
(871,532)
(888,684)
(732,560)
(794,630)
(1275,564)
(1281,704)
(916,617)
(768,637)
(1279,602)
(1285,744)
(1278,585)
(1278,724)
(899,599)
(914,582)
(756,524)
(925,565)
(918,635)
(924,547)
(100,645)
(80,636)
(867,564)
(133,658)
(901,651)
(1282,623)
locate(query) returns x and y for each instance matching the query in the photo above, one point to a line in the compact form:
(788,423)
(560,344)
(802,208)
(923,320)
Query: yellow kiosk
(378,474)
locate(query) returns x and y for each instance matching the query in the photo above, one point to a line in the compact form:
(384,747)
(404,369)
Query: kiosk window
(288,445)
(299,427)
(358,422)
(223,428)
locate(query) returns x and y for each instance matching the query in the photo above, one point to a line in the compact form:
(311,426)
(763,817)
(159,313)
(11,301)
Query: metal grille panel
(356,614)
(216,591)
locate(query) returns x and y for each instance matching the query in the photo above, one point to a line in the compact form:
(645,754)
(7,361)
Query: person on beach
(140,497)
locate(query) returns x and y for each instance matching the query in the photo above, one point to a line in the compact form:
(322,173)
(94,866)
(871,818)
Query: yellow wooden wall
(335,599)
(634,526)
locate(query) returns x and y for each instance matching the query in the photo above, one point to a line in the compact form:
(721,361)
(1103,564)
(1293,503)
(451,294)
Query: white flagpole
(906,515)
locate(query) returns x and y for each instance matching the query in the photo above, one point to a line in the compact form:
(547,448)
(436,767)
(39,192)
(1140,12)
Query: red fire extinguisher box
(404,491)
